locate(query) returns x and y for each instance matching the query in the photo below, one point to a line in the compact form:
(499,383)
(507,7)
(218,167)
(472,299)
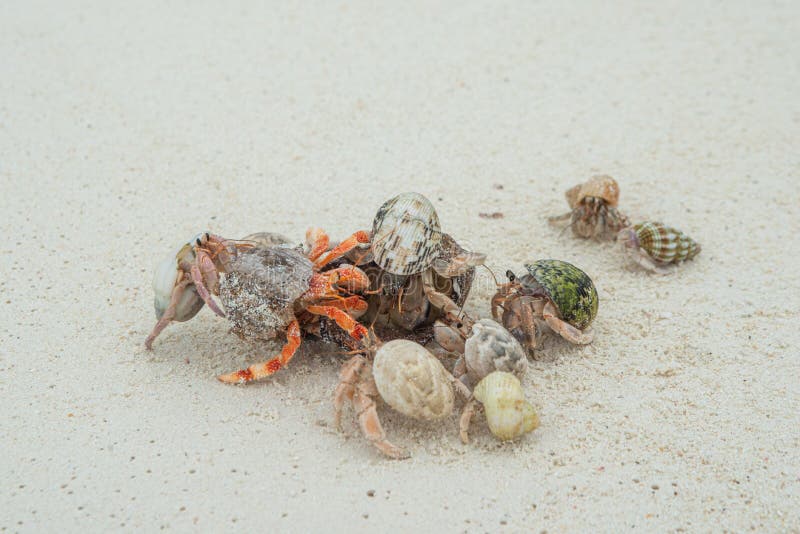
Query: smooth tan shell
(600,186)
(508,414)
(412,381)
(492,348)
(406,235)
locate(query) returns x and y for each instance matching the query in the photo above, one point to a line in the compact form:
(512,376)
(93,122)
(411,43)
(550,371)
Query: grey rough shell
(492,348)
(260,290)
(406,235)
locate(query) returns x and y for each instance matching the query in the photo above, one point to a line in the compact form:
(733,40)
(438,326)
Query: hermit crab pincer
(553,292)
(269,291)
(407,377)
(656,246)
(593,208)
(184,281)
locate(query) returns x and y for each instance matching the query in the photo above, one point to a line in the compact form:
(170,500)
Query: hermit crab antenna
(492,273)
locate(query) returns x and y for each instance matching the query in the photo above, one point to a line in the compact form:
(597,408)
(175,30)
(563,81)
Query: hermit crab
(269,291)
(593,208)
(489,348)
(508,414)
(656,246)
(553,292)
(407,377)
(185,280)
(423,273)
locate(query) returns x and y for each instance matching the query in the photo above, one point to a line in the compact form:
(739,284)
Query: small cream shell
(412,381)
(508,414)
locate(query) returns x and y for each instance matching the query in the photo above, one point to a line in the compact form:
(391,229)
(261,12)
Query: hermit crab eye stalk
(510,275)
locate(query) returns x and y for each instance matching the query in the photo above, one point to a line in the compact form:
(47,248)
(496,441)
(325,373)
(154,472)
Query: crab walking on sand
(270,291)
(657,247)
(407,377)
(593,208)
(419,274)
(184,281)
(508,414)
(553,293)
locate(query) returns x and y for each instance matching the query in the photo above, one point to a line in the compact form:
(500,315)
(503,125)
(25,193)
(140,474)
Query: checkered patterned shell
(406,236)
(665,244)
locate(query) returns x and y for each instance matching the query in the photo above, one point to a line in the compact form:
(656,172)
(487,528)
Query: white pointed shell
(164,279)
(492,348)
(412,381)
(406,236)
(508,414)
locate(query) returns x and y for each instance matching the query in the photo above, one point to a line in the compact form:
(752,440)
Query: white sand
(127,128)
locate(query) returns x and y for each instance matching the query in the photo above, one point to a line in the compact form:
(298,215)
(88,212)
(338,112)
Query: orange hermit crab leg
(345,322)
(318,240)
(342,248)
(347,304)
(261,370)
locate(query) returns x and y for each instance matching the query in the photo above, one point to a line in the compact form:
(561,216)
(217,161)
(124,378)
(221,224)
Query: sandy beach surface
(128,127)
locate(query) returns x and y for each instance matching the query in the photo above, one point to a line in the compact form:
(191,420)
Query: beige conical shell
(508,414)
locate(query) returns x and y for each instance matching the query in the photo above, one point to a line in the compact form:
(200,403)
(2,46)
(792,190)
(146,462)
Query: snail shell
(406,236)
(600,186)
(570,289)
(260,289)
(412,381)
(508,414)
(492,348)
(664,243)
(164,279)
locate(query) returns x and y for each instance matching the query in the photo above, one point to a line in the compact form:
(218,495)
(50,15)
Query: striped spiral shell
(406,236)
(600,186)
(664,243)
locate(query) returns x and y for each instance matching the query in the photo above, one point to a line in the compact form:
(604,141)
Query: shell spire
(406,235)
(664,243)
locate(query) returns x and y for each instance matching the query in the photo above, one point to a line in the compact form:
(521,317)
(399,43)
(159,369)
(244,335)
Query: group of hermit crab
(394,298)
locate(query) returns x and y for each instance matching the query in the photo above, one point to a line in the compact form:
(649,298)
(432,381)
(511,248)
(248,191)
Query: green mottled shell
(406,236)
(665,244)
(570,289)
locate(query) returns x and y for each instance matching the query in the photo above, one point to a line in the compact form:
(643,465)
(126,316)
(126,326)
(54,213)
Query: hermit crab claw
(459,264)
